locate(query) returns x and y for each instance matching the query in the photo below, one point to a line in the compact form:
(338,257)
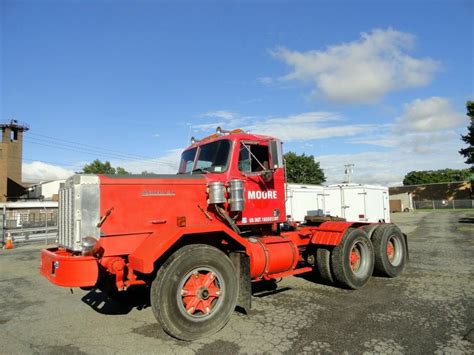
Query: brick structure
(11,150)
(439,191)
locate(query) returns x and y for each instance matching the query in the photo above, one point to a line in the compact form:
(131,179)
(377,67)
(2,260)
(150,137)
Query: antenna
(348,170)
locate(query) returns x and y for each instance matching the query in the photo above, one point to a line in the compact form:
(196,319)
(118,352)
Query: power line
(83,145)
(96,153)
(90,147)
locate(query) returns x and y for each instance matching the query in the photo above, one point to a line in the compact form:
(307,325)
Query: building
(438,191)
(402,202)
(11,155)
(45,190)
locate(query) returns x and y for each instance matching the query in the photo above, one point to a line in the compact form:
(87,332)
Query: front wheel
(352,261)
(194,292)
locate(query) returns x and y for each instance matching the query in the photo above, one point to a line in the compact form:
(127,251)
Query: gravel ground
(428,309)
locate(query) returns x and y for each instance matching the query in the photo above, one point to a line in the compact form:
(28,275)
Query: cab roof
(234,135)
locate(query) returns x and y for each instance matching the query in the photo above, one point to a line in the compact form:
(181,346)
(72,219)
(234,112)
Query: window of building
(14,135)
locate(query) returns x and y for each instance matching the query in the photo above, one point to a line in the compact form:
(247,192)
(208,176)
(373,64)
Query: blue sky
(381,84)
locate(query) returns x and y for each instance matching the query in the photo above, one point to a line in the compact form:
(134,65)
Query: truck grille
(79,204)
(66,217)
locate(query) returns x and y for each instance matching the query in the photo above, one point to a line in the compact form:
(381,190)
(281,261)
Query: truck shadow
(315,278)
(117,303)
(266,288)
(121,303)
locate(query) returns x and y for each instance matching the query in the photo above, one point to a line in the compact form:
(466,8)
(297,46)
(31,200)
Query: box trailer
(357,203)
(304,200)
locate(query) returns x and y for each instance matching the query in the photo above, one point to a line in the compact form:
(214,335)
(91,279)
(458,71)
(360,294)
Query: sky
(382,85)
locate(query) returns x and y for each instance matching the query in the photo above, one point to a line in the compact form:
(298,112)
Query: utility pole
(348,170)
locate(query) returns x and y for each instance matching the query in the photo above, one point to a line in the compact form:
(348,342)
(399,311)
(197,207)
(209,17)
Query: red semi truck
(198,239)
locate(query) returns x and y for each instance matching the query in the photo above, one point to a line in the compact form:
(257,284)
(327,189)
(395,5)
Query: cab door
(263,185)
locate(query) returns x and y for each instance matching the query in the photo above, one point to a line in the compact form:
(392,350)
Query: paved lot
(428,309)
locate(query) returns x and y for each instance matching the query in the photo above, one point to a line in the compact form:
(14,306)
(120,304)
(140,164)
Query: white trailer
(304,200)
(357,203)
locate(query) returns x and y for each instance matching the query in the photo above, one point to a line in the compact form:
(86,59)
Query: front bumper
(64,269)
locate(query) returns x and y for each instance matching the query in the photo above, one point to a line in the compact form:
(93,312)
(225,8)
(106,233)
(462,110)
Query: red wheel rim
(390,250)
(355,258)
(200,293)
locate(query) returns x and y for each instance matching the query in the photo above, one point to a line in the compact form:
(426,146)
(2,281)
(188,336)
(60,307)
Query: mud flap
(241,263)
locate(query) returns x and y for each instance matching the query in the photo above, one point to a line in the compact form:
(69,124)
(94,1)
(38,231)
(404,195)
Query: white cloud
(361,71)
(221,118)
(288,132)
(307,126)
(166,164)
(38,171)
(266,80)
(389,167)
(222,114)
(432,114)
(304,126)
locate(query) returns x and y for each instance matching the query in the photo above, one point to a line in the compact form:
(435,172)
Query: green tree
(436,176)
(302,169)
(468,152)
(121,171)
(98,167)
(146,173)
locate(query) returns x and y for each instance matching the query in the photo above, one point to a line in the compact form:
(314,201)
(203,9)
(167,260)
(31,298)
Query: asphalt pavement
(428,309)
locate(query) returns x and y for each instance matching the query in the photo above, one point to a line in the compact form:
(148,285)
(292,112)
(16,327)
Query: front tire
(390,250)
(194,292)
(352,261)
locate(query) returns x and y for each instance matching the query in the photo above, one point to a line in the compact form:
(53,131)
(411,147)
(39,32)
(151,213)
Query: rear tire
(352,261)
(323,264)
(390,250)
(194,292)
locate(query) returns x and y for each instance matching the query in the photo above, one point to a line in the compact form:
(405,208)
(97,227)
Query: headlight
(89,246)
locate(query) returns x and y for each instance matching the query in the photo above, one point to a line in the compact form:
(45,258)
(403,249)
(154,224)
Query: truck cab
(255,160)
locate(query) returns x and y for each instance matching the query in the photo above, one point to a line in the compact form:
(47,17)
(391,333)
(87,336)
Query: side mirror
(276,154)
(267,175)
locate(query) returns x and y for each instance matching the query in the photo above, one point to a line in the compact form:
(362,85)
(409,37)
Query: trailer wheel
(194,292)
(390,250)
(352,261)
(323,263)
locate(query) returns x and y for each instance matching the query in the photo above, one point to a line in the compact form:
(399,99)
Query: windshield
(212,157)
(187,161)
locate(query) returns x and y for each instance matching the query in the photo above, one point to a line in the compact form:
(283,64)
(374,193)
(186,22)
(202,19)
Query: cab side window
(253,158)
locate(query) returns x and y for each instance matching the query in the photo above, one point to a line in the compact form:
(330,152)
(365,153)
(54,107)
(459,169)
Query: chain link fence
(29,224)
(443,204)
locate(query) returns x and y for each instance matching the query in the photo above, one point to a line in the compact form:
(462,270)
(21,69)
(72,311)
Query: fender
(155,245)
(330,233)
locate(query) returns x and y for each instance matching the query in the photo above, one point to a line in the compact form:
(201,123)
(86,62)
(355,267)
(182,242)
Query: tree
(302,169)
(468,152)
(98,167)
(436,176)
(121,171)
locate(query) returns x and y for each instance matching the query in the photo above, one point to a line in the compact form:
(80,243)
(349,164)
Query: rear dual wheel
(352,261)
(194,292)
(323,263)
(390,250)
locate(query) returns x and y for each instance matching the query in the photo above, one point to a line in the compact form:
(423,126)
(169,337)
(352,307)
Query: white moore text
(262,195)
